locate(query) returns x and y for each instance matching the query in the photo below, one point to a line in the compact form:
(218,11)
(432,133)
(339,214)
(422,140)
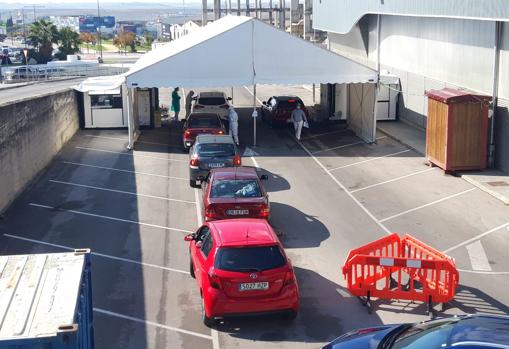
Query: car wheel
(191,268)
(193,184)
(207,321)
(291,315)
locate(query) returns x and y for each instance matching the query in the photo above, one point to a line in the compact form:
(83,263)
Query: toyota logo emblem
(253,276)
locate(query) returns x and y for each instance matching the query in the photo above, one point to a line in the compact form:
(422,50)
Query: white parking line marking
(120,191)
(213,332)
(125,140)
(428,204)
(475,238)
(478,257)
(121,170)
(97,254)
(484,272)
(344,146)
(323,134)
(372,159)
(357,202)
(393,180)
(129,154)
(151,323)
(108,217)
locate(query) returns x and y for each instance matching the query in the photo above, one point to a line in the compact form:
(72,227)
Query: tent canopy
(239,50)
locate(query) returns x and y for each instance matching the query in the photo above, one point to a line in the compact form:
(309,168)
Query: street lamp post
(99,31)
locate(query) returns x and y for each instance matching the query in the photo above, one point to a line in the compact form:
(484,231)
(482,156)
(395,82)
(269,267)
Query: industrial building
(429,45)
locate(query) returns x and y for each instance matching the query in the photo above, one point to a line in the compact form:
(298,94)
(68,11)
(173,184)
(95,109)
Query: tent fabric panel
(281,58)
(221,61)
(361,118)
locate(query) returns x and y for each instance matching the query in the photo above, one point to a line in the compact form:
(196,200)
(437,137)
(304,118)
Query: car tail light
(264,211)
(214,280)
(237,161)
(198,106)
(187,134)
(289,278)
(210,213)
(224,106)
(292,101)
(194,162)
(220,132)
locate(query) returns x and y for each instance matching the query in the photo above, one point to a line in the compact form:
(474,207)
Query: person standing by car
(189,102)
(298,118)
(175,102)
(233,120)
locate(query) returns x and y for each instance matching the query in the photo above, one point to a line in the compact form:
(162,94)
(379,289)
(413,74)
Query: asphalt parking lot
(329,193)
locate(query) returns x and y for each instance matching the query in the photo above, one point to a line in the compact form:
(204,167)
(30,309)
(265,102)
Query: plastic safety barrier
(403,269)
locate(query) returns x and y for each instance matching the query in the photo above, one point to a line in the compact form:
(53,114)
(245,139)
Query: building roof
(340,16)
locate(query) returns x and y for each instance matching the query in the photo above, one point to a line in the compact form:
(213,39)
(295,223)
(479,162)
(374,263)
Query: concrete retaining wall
(32,131)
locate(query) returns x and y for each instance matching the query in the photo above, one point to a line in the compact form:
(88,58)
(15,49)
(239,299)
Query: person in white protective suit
(233,119)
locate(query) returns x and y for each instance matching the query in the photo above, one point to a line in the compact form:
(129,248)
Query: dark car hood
(366,338)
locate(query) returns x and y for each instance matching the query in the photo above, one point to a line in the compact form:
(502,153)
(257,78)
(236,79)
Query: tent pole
(254,115)
(129,118)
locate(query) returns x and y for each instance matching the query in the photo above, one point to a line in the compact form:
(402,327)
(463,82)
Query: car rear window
(211,101)
(204,121)
(246,259)
(235,188)
(216,149)
(289,104)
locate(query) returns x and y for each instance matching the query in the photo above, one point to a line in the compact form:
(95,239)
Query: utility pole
(99,31)
(238,7)
(270,13)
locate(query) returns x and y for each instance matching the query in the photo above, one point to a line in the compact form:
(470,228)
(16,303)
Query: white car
(211,102)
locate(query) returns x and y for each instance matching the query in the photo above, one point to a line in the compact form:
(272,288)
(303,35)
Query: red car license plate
(253,286)
(237,212)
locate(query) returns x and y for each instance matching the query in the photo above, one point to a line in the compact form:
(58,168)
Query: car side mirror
(189,237)
(264,177)
(229,99)
(264,102)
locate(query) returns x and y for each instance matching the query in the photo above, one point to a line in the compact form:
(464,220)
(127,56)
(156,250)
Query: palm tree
(69,41)
(43,34)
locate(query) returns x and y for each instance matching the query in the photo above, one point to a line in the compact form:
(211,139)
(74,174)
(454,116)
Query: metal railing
(45,72)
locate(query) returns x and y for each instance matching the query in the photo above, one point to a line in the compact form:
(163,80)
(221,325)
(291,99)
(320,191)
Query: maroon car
(201,123)
(234,192)
(277,110)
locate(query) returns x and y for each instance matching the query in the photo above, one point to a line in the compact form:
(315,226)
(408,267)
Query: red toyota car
(242,269)
(234,192)
(201,123)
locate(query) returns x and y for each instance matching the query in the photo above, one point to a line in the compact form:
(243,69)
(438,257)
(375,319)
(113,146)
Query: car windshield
(204,121)
(428,335)
(215,149)
(289,104)
(235,188)
(248,259)
(212,101)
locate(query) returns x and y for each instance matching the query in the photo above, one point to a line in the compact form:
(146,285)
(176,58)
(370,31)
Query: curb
(484,188)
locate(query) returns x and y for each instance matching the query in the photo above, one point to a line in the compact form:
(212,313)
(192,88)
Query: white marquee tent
(239,51)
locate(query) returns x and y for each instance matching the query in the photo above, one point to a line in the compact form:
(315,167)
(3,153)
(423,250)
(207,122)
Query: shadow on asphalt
(319,318)
(296,228)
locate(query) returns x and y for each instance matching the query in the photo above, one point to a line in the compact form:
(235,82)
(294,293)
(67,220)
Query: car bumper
(194,173)
(222,306)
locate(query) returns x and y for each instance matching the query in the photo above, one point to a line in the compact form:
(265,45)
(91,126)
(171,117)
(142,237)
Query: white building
(429,45)
(66,21)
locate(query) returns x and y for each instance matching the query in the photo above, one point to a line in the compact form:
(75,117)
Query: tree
(43,34)
(69,41)
(87,38)
(124,40)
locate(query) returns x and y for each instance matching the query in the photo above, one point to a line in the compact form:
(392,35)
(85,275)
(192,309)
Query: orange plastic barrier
(401,268)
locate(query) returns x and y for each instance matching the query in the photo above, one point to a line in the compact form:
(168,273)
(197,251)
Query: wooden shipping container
(457,129)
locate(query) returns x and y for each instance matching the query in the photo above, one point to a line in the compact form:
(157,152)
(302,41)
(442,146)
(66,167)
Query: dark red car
(234,192)
(241,268)
(201,123)
(277,110)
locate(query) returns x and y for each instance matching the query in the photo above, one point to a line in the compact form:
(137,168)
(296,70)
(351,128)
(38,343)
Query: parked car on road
(241,268)
(235,192)
(212,102)
(458,332)
(277,110)
(23,74)
(211,151)
(201,123)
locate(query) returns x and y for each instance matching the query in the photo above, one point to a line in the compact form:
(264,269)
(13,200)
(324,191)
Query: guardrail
(44,72)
